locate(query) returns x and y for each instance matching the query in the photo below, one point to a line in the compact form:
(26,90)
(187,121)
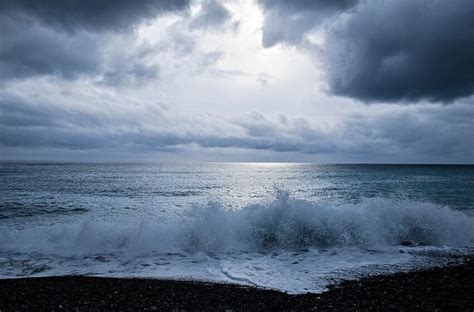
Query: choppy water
(293,227)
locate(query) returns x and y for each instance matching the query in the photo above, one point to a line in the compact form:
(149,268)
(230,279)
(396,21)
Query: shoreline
(444,288)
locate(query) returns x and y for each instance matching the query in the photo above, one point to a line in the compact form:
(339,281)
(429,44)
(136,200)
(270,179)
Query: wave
(284,223)
(20,210)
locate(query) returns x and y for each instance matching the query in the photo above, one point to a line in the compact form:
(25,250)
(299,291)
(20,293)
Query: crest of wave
(284,223)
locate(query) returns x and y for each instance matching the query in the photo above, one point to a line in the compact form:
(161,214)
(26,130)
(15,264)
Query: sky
(326,81)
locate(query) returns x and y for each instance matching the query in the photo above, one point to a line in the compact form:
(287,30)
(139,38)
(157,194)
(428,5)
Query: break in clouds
(360,81)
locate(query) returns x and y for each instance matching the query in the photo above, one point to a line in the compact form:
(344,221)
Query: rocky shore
(449,288)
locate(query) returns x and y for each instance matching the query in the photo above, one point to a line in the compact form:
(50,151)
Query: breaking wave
(284,223)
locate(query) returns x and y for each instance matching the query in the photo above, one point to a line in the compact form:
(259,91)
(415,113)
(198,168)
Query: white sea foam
(289,244)
(283,224)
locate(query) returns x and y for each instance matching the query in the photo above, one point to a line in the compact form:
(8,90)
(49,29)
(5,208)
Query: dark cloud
(29,124)
(212,14)
(93,15)
(403,50)
(427,133)
(133,73)
(374,51)
(422,133)
(386,51)
(27,49)
(130,68)
(18,112)
(288,20)
(66,37)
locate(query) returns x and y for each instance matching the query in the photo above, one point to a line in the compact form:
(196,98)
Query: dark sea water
(289,226)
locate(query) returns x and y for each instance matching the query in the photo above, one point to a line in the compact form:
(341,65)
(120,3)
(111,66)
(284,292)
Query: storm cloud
(238,80)
(28,49)
(67,38)
(288,21)
(428,132)
(213,13)
(71,15)
(385,51)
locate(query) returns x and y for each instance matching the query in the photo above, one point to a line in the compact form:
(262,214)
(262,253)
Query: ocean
(291,227)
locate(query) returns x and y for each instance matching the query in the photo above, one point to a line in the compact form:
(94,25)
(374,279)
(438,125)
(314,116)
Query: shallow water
(294,227)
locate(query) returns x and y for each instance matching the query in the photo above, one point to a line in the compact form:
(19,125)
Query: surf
(284,223)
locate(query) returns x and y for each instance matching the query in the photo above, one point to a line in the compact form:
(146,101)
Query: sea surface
(293,227)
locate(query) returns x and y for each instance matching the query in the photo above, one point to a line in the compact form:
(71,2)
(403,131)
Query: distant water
(294,227)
